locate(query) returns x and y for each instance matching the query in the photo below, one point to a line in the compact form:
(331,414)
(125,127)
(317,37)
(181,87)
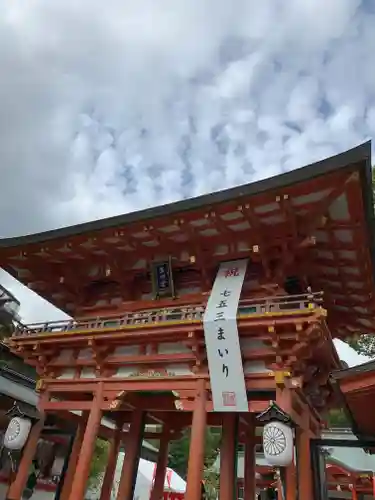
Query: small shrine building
(200,313)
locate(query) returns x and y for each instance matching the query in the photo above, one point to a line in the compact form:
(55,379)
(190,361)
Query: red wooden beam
(128,360)
(358,382)
(67,406)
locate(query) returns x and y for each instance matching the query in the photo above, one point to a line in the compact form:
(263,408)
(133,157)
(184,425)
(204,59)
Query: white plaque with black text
(222,341)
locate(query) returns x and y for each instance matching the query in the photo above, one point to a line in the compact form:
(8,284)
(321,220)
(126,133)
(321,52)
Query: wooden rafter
(260,246)
(316,216)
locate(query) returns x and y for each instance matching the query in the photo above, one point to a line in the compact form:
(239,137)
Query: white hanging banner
(222,341)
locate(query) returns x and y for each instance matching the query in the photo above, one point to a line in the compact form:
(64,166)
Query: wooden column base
(249,472)
(131,459)
(228,457)
(161,466)
(73,460)
(109,475)
(83,466)
(305,484)
(197,445)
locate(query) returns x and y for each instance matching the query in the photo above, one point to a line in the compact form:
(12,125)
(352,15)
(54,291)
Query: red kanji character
(229,398)
(232,272)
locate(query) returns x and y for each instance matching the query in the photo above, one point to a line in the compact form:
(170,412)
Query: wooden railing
(247,307)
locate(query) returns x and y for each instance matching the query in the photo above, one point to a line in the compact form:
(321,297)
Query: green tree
(337,418)
(179,451)
(6,330)
(99,462)
(211,484)
(364,344)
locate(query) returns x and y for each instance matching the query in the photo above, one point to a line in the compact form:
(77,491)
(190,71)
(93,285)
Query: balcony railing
(246,308)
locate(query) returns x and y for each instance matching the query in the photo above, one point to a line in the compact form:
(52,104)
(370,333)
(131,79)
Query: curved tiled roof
(360,154)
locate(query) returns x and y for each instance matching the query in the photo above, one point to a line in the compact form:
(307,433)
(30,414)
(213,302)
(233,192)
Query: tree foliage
(211,484)
(179,455)
(337,419)
(364,344)
(6,330)
(99,462)
(179,451)
(212,447)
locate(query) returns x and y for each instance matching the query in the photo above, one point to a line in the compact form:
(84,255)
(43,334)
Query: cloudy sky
(109,107)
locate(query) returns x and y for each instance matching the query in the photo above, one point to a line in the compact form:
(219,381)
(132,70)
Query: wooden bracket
(117,401)
(280,376)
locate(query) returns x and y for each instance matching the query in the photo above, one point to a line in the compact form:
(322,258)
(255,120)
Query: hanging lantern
(17,433)
(278,445)
(278,440)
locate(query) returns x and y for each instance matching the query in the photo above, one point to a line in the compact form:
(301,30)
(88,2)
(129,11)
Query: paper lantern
(278,444)
(17,433)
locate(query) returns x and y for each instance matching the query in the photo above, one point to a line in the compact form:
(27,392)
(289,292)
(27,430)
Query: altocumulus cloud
(117,106)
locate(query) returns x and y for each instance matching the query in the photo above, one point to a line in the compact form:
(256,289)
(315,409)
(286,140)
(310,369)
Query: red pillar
(305,485)
(197,444)
(354,493)
(249,472)
(158,489)
(132,451)
(17,487)
(83,466)
(111,465)
(228,457)
(291,482)
(73,460)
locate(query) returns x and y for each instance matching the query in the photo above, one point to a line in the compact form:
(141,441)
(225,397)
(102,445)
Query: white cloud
(116,107)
